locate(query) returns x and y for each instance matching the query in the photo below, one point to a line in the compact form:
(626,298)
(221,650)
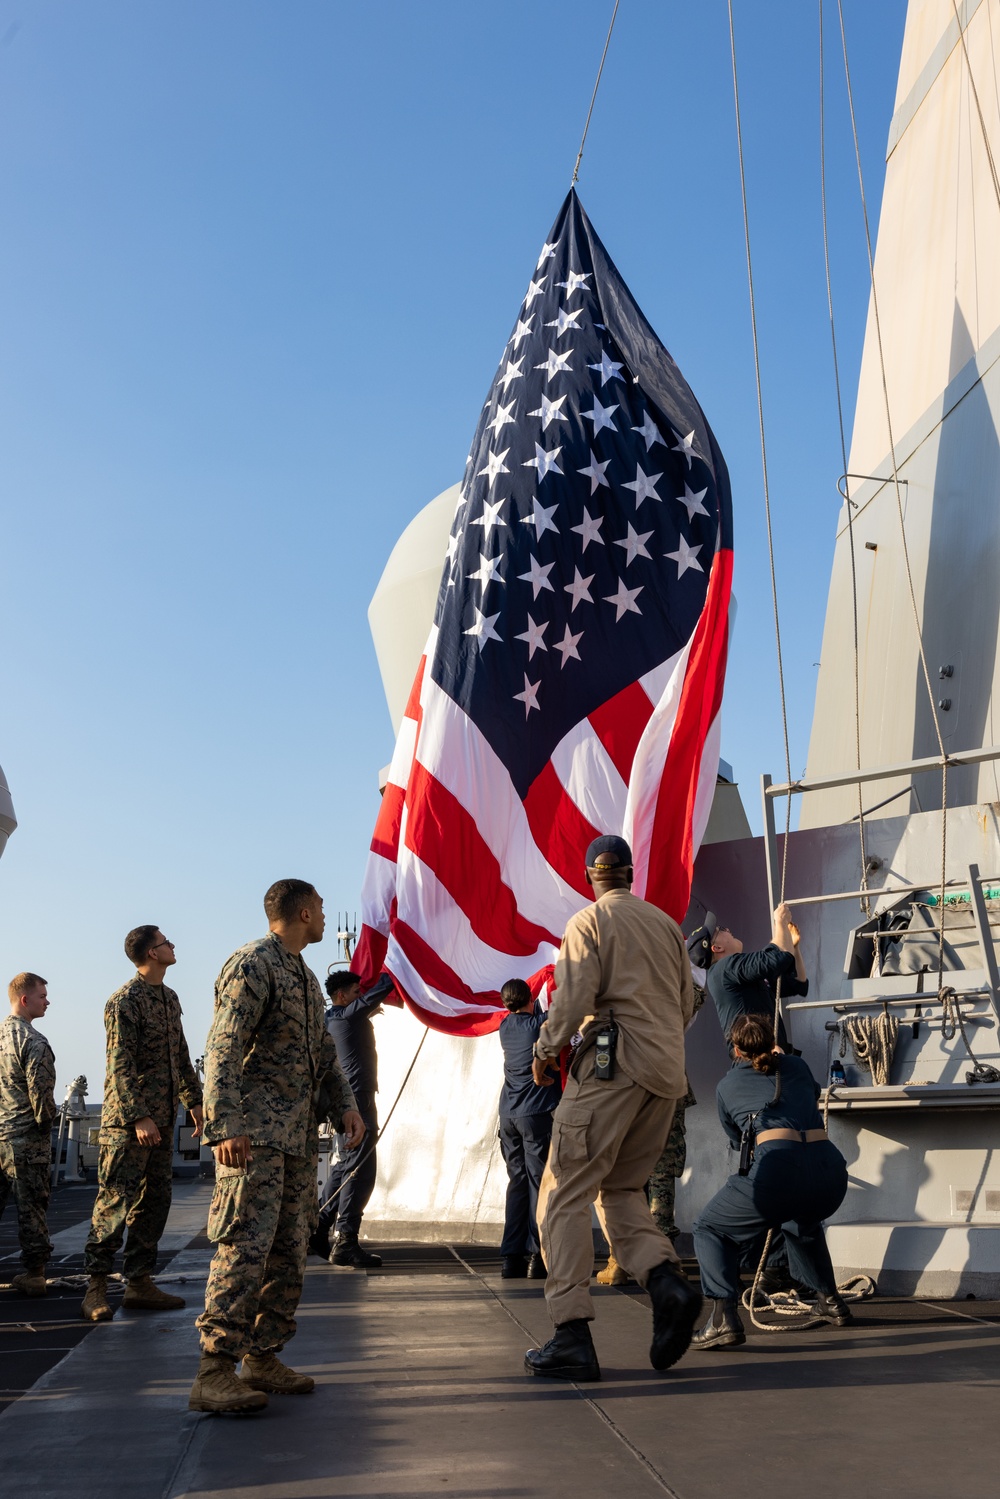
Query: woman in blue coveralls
(798,1178)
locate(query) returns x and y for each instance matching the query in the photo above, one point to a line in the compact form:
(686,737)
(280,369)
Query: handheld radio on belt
(607,1047)
(749,1139)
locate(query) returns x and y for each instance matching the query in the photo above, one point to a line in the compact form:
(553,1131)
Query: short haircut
(286,898)
(341,978)
(23,983)
(515,994)
(139,942)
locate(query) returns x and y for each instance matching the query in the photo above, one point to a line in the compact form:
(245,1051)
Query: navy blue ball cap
(609,852)
(699,944)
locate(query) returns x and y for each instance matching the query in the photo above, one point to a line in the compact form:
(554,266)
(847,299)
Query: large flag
(573,677)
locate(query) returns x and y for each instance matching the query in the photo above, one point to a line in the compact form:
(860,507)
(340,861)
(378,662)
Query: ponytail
(754,1036)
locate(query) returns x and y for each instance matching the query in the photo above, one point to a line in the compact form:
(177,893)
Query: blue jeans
(524,1144)
(791,1186)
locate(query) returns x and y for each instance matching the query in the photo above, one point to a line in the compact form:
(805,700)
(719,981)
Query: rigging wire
(979,109)
(593,97)
(866,902)
(896,484)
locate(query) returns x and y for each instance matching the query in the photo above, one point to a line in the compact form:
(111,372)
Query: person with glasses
(148,1072)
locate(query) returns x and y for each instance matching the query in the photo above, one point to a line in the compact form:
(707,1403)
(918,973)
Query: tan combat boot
(31,1283)
(217,1390)
(96,1307)
(265,1371)
(144,1295)
(612,1274)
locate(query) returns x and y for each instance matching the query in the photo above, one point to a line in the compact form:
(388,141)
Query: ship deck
(420,1391)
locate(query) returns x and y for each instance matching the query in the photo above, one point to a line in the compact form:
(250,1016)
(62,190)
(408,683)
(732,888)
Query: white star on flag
(575,282)
(537,576)
(529,697)
(547,252)
(685,556)
(644,486)
(489,517)
(483,630)
(634,544)
(555,364)
(624,600)
(692,502)
(486,572)
(685,446)
(650,432)
(534,290)
(608,368)
(501,419)
(533,634)
(541,518)
(595,473)
(522,330)
(579,589)
(495,465)
(545,463)
(453,542)
(589,530)
(512,371)
(567,645)
(549,411)
(565,320)
(600,416)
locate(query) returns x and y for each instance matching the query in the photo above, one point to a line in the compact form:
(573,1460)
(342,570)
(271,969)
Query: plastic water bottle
(838,1077)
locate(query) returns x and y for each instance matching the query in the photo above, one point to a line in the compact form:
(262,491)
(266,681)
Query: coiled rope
(789,1304)
(873,1038)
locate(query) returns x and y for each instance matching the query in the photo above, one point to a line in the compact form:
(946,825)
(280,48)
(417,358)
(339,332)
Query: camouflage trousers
(133,1192)
(663,1182)
(260,1219)
(25,1175)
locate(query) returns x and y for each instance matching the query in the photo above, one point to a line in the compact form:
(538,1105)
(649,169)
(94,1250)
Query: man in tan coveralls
(625,955)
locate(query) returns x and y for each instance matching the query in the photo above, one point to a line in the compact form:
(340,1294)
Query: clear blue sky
(257,267)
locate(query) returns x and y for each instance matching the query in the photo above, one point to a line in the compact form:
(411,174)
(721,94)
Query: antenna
(347,935)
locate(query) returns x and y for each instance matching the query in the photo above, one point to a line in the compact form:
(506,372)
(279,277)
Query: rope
(866,903)
(593,97)
(790,1304)
(895,476)
(953,1021)
(767,493)
(874,1039)
(382,1127)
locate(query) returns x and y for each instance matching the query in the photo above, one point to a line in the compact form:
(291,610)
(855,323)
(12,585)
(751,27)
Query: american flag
(573,677)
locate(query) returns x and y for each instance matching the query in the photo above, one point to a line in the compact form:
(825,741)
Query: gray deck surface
(420,1391)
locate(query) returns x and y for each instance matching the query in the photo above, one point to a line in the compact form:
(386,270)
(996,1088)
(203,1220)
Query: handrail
(881,773)
(876,894)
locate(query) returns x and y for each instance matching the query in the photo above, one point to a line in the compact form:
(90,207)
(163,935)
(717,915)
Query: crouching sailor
(622,963)
(791,1176)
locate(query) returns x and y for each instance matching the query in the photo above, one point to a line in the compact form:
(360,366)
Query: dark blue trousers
(346,1209)
(524,1144)
(791,1186)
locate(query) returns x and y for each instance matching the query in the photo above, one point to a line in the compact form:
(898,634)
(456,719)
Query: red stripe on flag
(369,955)
(445,838)
(671,853)
(560,829)
(413,708)
(436,972)
(619,725)
(385,839)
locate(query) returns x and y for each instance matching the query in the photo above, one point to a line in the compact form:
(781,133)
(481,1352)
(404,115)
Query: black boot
(536,1267)
(319,1243)
(569,1354)
(723,1328)
(513,1266)
(347,1251)
(832,1308)
(676,1305)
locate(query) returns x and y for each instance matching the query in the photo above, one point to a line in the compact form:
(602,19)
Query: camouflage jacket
(268,1052)
(148,1066)
(27,1082)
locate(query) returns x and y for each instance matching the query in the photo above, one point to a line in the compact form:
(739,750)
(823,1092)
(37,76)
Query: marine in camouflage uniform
(148,1071)
(670,1167)
(268,1058)
(27,1109)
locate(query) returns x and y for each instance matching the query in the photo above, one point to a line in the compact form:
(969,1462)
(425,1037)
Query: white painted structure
(8,822)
